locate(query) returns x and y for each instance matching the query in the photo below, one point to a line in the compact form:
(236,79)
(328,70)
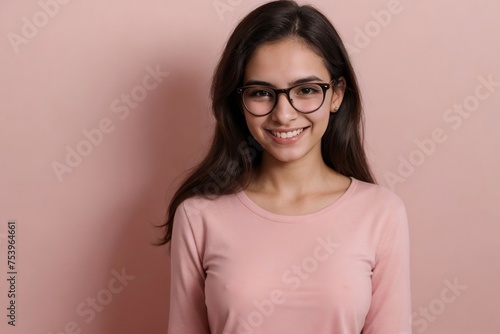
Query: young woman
(281,229)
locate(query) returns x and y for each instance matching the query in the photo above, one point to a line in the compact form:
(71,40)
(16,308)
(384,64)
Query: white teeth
(288,134)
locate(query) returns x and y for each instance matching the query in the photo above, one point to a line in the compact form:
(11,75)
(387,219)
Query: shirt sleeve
(188,313)
(390,310)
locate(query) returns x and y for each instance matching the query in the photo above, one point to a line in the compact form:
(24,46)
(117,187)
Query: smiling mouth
(288,134)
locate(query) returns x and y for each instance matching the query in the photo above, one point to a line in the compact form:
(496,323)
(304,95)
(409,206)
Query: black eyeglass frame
(286,91)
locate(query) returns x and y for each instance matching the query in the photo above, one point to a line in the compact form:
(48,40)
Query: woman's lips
(287,136)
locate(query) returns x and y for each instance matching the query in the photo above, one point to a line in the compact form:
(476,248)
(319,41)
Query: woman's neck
(295,179)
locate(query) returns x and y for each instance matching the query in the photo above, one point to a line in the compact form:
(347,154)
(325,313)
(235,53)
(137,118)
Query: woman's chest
(318,271)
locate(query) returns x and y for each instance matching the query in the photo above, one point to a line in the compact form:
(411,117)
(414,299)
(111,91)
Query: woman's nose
(284,111)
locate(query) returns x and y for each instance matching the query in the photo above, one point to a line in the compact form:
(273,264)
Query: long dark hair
(233,155)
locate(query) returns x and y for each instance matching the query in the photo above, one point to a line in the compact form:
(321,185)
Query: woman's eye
(307,90)
(260,93)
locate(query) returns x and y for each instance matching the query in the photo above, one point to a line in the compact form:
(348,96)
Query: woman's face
(282,64)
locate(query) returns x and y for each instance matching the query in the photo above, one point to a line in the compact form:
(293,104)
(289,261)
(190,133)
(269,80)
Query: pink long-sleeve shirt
(239,269)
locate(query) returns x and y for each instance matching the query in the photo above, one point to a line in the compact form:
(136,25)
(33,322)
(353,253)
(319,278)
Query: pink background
(78,230)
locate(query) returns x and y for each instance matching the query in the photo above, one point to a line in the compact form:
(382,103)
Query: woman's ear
(338,89)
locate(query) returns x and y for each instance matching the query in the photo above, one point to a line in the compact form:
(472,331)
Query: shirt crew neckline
(300,218)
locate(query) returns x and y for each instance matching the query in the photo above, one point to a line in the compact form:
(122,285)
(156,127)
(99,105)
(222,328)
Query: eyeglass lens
(260,100)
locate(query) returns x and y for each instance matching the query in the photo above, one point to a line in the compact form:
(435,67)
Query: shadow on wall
(164,130)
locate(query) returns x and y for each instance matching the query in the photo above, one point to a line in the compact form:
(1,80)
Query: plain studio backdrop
(105,103)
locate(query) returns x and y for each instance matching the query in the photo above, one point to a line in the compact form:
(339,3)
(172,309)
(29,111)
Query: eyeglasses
(305,98)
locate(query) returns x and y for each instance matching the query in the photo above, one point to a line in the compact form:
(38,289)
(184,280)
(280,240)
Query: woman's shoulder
(378,205)
(375,194)
(199,203)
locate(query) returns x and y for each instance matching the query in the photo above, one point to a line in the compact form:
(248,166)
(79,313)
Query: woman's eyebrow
(258,83)
(295,82)
(304,80)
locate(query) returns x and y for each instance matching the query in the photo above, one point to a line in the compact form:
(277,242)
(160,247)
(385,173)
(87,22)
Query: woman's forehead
(285,61)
